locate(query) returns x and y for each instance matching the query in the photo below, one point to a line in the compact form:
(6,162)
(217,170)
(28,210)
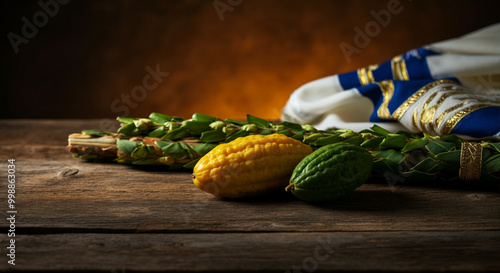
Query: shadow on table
(370,199)
(381,199)
(268,198)
(455,184)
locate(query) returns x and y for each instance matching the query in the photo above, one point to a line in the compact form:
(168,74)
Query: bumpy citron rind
(250,165)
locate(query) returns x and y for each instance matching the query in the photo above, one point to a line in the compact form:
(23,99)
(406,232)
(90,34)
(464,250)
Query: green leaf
(158,132)
(445,167)
(236,135)
(142,124)
(176,134)
(159,118)
(408,135)
(367,131)
(330,131)
(452,158)
(299,136)
(284,132)
(178,119)
(384,165)
(393,141)
(415,144)
(96,133)
(196,127)
(191,164)
(492,164)
(129,130)
(292,126)
(235,122)
(437,146)
(188,150)
(379,130)
(203,148)
(266,132)
(391,154)
(372,143)
(143,151)
(356,140)
(258,121)
(495,145)
(322,141)
(457,141)
(346,133)
(145,161)
(203,118)
(173,149)
(160,143)
(125,120)
(310,139)
(213,136)
(486,155)
(431,137)
(427,166)
(124,159)
(127,146)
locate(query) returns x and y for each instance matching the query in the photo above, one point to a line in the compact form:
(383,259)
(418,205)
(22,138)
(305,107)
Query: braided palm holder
(470,161)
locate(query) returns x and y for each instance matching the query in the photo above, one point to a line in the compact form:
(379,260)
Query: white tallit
(448,87)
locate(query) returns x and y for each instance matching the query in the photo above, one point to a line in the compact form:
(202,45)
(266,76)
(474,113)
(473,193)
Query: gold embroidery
(387,88)
(365,74)
(471,156)
(482,99)
(455,119)
(429,99)
(403,70)
(398,114)
(363,79)
(466,100)
(427,114)
(369,75)
(439,120)
(394,66)
(447,88)
(446,95)
(399,71)
(414,119)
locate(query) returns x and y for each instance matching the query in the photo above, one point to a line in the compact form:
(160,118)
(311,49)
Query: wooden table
(78,216)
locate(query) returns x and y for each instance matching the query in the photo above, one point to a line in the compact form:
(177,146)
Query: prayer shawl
(449,87)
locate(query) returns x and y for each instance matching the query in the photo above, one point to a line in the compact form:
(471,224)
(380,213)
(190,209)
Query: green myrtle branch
(178,143)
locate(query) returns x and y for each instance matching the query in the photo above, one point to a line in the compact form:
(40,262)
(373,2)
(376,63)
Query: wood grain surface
(75,215)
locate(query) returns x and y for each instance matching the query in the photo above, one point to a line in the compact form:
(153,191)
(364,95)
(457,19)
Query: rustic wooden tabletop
(72,215)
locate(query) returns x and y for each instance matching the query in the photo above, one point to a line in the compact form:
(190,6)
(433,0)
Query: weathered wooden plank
(466,251)
(55,190)
(43,131)
(39,139)
(72,193)
(74,215)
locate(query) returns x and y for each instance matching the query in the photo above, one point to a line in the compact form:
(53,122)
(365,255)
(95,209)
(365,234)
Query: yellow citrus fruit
(249,165)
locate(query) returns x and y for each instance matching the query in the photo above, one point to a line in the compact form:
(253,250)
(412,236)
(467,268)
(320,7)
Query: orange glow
(93,54)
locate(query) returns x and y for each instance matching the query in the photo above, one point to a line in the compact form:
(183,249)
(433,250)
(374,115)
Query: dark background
(247,60)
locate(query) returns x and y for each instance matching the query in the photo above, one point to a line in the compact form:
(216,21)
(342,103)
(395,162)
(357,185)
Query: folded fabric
(449,87)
